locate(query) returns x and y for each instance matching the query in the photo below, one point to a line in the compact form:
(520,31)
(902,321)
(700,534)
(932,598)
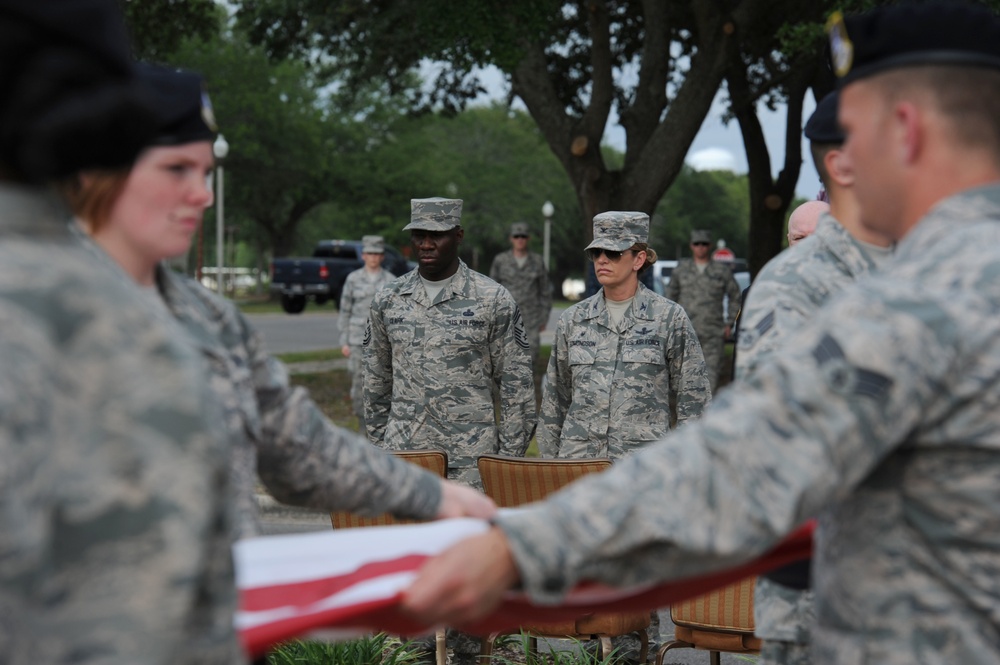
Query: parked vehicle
(321,276)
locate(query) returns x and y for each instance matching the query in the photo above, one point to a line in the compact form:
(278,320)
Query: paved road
(319,329)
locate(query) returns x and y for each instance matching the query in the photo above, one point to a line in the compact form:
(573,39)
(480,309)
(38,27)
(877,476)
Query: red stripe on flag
(310,591)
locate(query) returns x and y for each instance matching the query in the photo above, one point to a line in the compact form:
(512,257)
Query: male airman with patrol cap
(882,416)
(523,273)
(440,341)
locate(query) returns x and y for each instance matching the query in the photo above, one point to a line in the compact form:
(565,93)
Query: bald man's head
(802,221)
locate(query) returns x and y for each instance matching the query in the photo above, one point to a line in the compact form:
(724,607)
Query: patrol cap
(822,126)
(434,214)
(701,235)
(618,231)
(519,229)
(906,35)
(183,108)
(373,244)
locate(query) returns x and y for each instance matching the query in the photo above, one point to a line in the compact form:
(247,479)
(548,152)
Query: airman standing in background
(355,303)
(523,273)
(700,285)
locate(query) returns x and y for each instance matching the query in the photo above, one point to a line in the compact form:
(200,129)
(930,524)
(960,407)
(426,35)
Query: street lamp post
(220,148)
(547,210)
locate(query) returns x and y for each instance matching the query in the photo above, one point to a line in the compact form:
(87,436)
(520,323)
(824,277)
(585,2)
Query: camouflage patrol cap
(701,235)
(619,231)
(435,214)
(519,229)
(373,245)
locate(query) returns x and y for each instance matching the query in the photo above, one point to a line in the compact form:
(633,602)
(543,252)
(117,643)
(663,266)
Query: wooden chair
(512,481)
(721,620)
(434,461)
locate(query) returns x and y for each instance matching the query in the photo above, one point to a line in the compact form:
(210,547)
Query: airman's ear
(838,167)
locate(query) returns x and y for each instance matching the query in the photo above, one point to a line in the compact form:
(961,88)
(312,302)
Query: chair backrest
(512,481)
(434,461)
(727,609)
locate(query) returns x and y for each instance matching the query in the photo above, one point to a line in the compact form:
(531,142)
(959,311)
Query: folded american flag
(349,582)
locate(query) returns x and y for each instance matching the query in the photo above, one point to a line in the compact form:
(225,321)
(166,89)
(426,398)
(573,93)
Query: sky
(716,146)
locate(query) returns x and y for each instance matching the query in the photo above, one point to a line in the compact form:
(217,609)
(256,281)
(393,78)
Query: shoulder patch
(520,336)
(843,377)
(368,334)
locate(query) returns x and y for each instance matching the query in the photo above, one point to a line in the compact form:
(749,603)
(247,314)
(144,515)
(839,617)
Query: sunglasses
(700,244)
(595,253)
(519,235)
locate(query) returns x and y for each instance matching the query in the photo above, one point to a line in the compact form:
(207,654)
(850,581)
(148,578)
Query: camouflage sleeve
(345,308)
(511,364)
(556,395)
(750,468)
(772,310)
(377,364)
(495,269)
(688,373)
(735,298)
(306,460)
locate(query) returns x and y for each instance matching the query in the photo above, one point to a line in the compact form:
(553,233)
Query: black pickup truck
(322,275)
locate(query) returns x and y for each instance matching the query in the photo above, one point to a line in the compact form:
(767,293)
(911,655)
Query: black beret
(183,109)
(910,34)
(822,126)
(70,97)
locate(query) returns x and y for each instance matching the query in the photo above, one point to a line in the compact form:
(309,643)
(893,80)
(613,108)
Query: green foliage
(577,654)
(715,200)
(375,650)
(158,27)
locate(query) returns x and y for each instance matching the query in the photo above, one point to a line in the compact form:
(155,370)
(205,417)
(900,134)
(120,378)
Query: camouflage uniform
(355,301)
(883,412)
(115,531)
(701,295)
(531,289)
(787,293)
(278,432)
(432,368)
(609,388)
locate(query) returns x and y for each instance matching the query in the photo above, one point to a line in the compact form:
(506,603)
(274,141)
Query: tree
(659,62)
(159,27)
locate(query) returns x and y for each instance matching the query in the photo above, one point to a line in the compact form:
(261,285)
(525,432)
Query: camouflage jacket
(115,528)
(608,389)
(355,300)
(883,414)
(794,285)
(431,369)
(278,432)
(701,294)
(787,293)
(529,285)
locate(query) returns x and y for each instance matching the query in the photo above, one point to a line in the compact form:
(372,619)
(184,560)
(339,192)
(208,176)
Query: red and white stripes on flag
(349,582)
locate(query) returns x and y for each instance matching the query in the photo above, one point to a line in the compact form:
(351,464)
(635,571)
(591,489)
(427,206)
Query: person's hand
(461,501)
(725,333)
(346,350)
(464,583)
(542,329)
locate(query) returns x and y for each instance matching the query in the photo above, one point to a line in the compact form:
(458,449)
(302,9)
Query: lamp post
(220,148)
(547,210)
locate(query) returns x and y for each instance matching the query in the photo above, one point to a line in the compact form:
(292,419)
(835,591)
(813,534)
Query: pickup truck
(322,276)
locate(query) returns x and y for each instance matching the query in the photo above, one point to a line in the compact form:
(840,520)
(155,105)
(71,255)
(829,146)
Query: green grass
(375,650)
(310,356)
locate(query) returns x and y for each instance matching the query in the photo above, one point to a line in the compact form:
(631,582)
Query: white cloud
(711,159)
